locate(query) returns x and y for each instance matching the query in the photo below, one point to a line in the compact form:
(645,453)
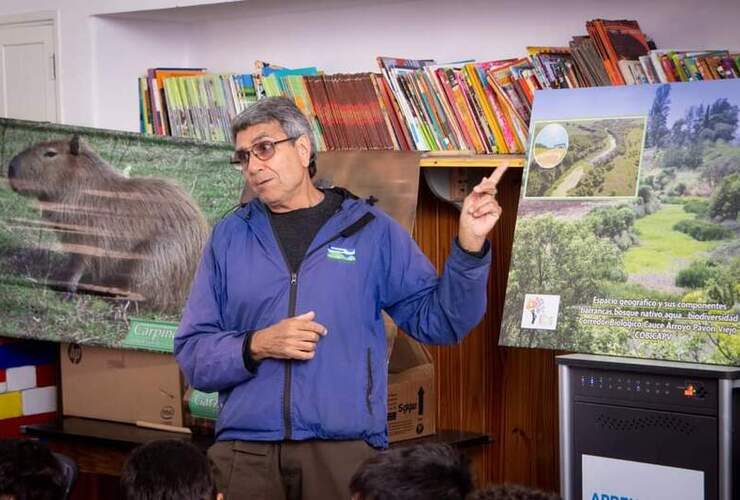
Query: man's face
(281,182)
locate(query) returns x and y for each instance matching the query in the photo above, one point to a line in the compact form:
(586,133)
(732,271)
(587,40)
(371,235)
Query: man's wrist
(485,247)
(251,361)
(255,346)
(471,244)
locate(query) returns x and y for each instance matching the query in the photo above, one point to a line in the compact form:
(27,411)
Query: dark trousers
(290,470)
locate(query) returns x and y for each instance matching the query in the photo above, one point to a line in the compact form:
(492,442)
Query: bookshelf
(449,121)
(445,111)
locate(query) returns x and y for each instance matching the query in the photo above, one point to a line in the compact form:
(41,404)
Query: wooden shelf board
(484,161)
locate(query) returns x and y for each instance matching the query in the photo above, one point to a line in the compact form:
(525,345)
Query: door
(27,71)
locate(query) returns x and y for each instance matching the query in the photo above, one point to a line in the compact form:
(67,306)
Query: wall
(124,50)
(347,35)
(83,46)
(100,57)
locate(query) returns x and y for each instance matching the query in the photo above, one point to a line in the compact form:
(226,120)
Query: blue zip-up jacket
(360,262)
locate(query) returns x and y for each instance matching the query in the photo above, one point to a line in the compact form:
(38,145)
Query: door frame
(39,18)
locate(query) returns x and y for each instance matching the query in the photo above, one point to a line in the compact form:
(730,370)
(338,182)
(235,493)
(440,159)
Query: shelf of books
(460,114)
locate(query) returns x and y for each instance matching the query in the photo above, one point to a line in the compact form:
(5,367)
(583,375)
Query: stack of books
(189,102)
(454,107)
(663,66)
(620,44)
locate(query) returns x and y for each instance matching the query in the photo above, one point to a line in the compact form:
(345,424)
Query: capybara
(142,234)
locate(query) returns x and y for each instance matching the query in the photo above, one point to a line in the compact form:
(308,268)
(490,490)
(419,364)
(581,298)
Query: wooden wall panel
(96,487)
(508,393)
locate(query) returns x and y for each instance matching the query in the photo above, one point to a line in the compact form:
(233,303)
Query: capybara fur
(141,234)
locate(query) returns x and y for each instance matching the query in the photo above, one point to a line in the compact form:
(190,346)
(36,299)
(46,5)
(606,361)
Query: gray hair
(282,110)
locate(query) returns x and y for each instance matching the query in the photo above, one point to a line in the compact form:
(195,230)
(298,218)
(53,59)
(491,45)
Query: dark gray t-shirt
(296,229)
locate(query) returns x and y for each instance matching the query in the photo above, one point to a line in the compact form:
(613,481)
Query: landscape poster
(627,236)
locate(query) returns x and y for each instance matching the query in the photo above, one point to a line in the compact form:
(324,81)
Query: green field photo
(599,158)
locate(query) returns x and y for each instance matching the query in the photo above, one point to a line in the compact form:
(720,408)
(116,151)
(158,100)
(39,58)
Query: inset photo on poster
(550,146)
(540,311)
(586,158)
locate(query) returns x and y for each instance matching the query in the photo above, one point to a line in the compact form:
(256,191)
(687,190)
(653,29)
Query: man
(420,472)
(284,314)
(167,469)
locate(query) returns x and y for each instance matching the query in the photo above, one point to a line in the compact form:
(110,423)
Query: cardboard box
(121,385)
(412,410)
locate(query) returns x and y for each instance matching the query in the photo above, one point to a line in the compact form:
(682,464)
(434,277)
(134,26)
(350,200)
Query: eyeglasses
(264,150)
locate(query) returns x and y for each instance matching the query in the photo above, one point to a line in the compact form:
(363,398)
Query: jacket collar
(255,207)
(255,213)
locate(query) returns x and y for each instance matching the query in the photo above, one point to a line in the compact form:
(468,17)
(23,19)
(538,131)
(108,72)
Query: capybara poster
(101,229)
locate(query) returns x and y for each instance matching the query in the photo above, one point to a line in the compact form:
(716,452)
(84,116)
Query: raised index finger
(488,184)
(497,174)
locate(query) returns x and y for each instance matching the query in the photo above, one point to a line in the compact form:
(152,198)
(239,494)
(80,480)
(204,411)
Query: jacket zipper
(368,395)
(288,362)
(291,312)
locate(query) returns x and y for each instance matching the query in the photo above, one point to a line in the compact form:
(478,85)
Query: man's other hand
(291,338)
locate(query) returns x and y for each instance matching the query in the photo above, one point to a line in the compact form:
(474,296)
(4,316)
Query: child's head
(415,472)
(29,471)
(167,469)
